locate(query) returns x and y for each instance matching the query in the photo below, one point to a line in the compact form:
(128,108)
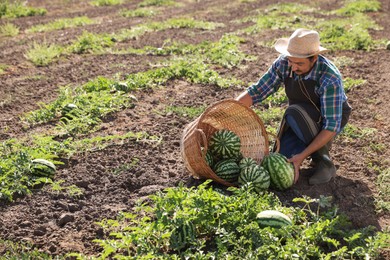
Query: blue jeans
(292,141)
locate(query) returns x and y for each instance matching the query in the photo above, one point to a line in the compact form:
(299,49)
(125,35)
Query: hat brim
(281,47)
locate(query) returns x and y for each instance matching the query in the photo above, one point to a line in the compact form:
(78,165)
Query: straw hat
(302,43)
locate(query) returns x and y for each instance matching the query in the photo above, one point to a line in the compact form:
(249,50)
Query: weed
(139,12)
(106,2)
(9,29)
(43,54)
(156,3)
(190,112)
(350,84)
(15,9)
(353,7)
(61,24)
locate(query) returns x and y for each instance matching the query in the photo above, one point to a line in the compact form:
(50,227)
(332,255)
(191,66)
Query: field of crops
(138,71)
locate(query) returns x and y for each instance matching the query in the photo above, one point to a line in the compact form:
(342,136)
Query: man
(318,108)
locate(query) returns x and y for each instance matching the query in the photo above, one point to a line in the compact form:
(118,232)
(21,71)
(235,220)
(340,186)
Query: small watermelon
(225,144)
(182,236)
(246,161)
(273,218)
(68,108)
(43,168)
(257,175)
(227,170)
(280,170)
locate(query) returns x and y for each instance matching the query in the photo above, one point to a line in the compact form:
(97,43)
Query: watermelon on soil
(280,170)
(43,168)
(273,218)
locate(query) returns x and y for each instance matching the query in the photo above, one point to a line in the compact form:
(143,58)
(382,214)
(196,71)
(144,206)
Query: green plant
(156,3)
(352,7)
(139,12)
(347,34)
(106,2)
(43,54)
(9,29)
(190,112)
(222,225)
(61,24)
(382,201)
(3,67)
(350,83)
(91,43)
(15,9)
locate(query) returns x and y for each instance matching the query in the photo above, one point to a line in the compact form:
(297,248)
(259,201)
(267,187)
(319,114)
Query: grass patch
(3,68)
(350,83)
(190,112)
(226,52)
(383,185)
(139,12)
(15,9)
(9,30)
(106,2)
(61,24)
(353,7)
(156,3)
(91,43)
(347,33)
(43,54)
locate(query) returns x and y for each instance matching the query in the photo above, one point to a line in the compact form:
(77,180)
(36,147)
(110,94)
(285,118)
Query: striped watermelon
(257,175)
(182,236)
(225,144)
(43,168)
(281,171)
(67,109)
(246,161)
(273,218)
(227,170)
(209,159)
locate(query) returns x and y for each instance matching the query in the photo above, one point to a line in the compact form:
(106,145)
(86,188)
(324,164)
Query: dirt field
(57,223)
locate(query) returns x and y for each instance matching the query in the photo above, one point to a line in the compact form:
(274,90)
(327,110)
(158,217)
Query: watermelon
(209,159)
(182,235)
(246,161)
(43,168)
(67,109)
(273,218)
(225,144)
(227,170)
(257,175)
(280,170)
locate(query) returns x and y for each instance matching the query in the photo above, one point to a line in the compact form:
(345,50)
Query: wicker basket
(226,114)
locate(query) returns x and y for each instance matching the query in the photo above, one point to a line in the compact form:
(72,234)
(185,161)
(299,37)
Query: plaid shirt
(329,88)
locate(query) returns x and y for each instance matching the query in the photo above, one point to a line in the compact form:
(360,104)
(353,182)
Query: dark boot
(315,157)
(325,169)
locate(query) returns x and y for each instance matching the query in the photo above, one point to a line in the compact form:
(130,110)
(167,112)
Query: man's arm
(319,141)
(245,99)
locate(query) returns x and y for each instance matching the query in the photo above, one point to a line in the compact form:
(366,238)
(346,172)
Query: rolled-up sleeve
(268,84)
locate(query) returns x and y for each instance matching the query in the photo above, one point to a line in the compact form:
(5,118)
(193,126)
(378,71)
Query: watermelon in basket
(231,116)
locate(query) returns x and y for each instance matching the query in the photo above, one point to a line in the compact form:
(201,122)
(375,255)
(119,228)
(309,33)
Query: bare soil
(57,223)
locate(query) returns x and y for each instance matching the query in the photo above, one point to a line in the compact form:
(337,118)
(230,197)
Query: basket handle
(276,146)
(204,141)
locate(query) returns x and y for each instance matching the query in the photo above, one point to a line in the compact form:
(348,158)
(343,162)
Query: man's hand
(297,162)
